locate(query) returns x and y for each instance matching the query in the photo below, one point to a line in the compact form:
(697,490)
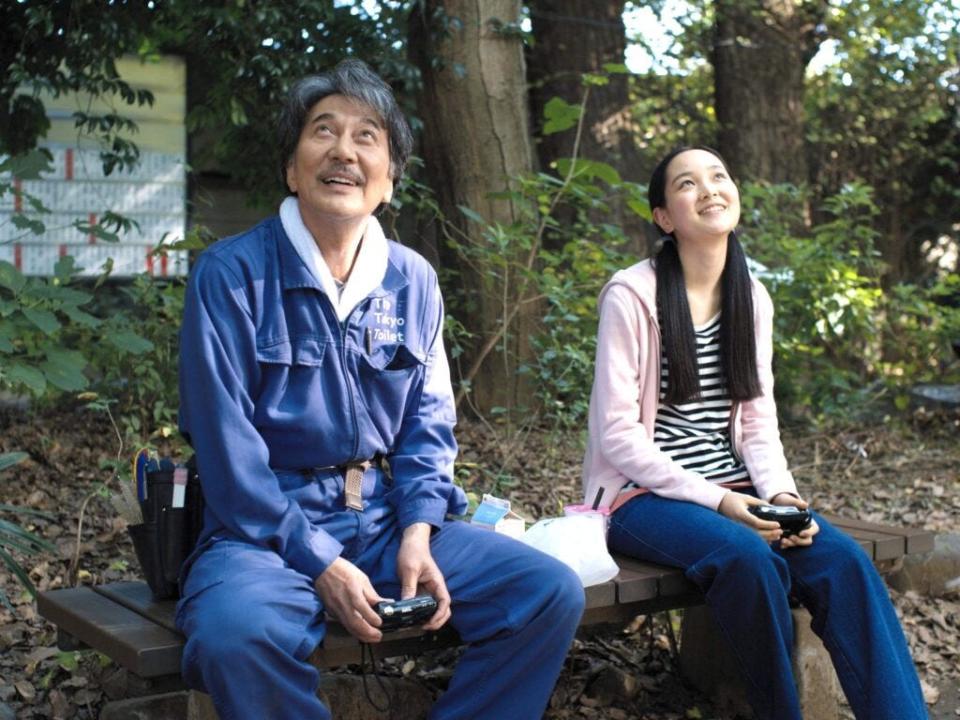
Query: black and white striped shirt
(696,433)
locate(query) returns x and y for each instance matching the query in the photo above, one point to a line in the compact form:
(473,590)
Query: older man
(316,394)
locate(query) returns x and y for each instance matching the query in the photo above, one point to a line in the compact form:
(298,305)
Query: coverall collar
(372,275)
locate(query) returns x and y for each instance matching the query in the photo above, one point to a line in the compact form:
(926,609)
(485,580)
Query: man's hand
(417,569)
(804,537)
(347,594)
(735,506)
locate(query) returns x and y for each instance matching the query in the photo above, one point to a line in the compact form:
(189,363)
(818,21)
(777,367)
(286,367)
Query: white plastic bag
(577,540)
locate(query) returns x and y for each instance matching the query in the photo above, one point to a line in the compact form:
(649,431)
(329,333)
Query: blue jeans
(251,621)
(746,583)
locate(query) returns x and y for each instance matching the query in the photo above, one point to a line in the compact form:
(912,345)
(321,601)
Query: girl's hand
(804,537)
(735,506)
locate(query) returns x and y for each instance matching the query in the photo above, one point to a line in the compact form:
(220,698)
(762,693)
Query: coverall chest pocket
(291,371)
(387,377)
(306,352)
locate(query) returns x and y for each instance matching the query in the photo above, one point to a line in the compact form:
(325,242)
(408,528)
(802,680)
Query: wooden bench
(122,620)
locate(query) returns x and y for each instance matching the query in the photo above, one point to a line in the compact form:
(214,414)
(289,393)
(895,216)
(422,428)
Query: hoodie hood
(641,280)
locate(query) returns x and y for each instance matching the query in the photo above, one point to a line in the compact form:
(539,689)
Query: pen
(140,461)
(368,340)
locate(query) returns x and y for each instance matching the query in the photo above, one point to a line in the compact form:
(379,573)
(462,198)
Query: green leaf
(24,222)
(43,319)
(472,214)
(29,377)
(97,230)
(14,567)
(641,208)
(66,268)
(616,69)
(64,369)
(29,165)
(20,510)
(559,115)
(238,116)
(11,278)
(62,296)
(130,342)
(9,459)
(30,543)
(14,537)
(602,170)
(594,79)
(68,661)
(80,317)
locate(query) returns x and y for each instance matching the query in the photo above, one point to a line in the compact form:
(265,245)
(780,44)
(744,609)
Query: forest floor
(907,474)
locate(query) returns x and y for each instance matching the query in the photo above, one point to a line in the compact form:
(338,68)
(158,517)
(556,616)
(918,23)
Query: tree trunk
(573,37)
(760,54)
(476,138)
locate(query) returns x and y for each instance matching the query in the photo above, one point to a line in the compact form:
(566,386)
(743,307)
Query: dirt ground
(905,473)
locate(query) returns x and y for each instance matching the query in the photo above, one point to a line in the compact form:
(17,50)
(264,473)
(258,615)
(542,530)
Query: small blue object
(141,462)
(489,514)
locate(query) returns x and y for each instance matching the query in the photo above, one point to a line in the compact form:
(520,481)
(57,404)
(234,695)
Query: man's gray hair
(353,79)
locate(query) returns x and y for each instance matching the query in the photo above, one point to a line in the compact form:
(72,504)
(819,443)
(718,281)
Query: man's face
(340,169)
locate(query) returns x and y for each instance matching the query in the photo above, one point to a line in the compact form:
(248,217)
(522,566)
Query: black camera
(396,614)
(791,519)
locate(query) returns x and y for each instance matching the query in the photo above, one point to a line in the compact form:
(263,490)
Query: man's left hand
(417,569)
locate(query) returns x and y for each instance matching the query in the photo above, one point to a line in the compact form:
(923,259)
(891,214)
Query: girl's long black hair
(738,347)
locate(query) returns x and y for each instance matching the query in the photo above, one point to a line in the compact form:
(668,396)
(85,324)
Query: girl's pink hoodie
(626,390)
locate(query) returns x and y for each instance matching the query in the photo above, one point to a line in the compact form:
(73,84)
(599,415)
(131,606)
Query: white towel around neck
(368,270)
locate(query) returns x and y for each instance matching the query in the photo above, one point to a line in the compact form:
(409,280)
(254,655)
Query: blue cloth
(274,392)
(746,583)
(269,379)
(251,620)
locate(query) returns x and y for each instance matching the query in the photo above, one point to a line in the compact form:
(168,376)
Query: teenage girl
(683,439)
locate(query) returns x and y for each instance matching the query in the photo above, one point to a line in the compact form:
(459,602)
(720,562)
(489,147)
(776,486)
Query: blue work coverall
(275,394)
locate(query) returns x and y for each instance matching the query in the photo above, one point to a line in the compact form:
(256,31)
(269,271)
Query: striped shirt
(696,433)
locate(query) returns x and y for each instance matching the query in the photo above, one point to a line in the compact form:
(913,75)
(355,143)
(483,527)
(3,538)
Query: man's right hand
(348,596)
(735,506)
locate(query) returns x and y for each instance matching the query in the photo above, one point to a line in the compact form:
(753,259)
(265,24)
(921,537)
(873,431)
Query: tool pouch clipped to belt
(171,503)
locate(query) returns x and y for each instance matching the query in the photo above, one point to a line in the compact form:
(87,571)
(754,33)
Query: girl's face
(701,200)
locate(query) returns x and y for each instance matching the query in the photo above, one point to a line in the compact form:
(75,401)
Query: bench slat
(133,641)
(915,540)
(640,580)
(601,595)
(136,596)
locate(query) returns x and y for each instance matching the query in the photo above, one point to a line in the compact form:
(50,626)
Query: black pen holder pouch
(148,547)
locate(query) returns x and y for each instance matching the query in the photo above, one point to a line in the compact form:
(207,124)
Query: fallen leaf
(26,690)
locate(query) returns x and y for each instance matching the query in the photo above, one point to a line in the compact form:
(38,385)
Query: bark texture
(476,138)
(760,54)
(572,37)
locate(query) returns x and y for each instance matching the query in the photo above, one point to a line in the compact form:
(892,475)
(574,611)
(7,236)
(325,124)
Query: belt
(353,478)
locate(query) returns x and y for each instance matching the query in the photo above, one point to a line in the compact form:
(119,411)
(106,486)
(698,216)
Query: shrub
(841,339)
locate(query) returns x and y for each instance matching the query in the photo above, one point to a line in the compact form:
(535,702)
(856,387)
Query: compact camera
(791,519)
(396,614)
